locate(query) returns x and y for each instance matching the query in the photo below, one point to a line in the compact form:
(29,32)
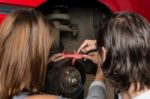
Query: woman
(124,46)
(25,41)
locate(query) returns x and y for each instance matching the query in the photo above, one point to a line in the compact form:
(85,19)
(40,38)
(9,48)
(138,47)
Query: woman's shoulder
(45,97)
(21,95)
(25,95)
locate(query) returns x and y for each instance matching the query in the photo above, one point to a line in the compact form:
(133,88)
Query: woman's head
(126,38)
(25,40)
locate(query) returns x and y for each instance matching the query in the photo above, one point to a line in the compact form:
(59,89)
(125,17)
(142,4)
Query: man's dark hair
(126,37)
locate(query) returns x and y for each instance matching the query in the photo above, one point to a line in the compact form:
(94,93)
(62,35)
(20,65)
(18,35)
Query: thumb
(90,57)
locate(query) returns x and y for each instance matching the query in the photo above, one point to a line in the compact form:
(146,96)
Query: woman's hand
(56,57)
(98,59)
(92,56)
(87,45)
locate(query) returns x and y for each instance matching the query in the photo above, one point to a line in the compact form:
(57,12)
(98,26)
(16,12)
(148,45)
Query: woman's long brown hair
(25,40)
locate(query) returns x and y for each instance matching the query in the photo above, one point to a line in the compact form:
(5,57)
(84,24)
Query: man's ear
(103,53)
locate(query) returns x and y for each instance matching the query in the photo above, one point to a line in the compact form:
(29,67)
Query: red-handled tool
(74,56)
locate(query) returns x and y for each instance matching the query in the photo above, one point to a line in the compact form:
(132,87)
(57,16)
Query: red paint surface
(21,3)
(2,16)
(27,3)
(139,6)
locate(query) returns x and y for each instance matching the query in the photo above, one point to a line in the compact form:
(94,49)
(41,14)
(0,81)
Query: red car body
(139,6)
(19,3)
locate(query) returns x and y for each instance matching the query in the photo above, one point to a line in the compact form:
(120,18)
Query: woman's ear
(103,53)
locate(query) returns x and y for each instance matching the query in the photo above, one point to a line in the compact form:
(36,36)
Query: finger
(88,48)
(87,43)
(58,59)
(57,55)
(88,57)
(85,59)
(92,56)
(84,44)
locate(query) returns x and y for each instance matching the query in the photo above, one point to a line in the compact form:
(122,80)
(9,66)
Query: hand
(56,57)
(92,56)
(87,45)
